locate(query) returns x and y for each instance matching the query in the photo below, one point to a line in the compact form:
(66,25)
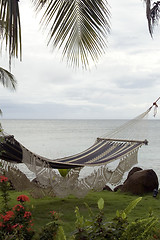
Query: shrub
(16,223)
(97,228)
(52,230)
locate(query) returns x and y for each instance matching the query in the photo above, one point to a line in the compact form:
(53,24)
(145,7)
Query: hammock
(102,152)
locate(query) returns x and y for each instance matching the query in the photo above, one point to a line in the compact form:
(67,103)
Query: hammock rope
(126,130)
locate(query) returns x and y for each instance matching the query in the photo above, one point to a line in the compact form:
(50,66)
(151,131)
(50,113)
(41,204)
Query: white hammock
(105,150)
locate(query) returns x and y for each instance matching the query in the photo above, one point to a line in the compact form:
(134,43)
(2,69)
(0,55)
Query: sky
(123,84)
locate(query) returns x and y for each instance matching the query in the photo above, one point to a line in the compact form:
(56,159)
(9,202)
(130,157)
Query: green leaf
(132,205)
(7,79)
(80,220)
(10,27)
(63,172)
(124,215)
(117,214)
(61,234)
(79,27)
(91,214)
(100,203)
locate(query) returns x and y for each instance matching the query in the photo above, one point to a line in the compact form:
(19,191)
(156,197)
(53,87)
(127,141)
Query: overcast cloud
(123,84)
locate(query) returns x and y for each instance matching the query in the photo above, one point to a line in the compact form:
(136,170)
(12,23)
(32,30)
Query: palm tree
(7,30)
(153,14)
(79,27)
(7,79)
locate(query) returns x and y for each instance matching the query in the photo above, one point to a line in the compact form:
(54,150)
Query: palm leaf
(148,9)
(80,27)
(153,14)
(10,27)
(7,79)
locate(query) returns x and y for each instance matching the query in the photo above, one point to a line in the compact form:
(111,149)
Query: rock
(140,182)
(107,188)
(133,170)
(117,188)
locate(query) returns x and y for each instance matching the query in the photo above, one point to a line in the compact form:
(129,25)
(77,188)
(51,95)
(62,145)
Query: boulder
(133,170)
(141,182)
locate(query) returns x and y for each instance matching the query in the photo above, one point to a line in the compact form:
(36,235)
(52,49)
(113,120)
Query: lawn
(41,208)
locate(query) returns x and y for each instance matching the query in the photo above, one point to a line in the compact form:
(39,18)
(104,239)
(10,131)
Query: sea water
(59,138)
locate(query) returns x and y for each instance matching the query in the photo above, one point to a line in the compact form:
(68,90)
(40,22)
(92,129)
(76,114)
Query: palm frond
(39,4)
(148,8)
(153,14)
(7,79)
(10,27)
(80,27)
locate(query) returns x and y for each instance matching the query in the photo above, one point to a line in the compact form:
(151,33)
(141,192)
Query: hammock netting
(106,149)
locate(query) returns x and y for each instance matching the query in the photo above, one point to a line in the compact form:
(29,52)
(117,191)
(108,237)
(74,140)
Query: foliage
(4,186)
(15,223)
(140,229)
(118,229)
(52,230)
(80,28)
(10,26)
(153,14)
(7,79)
(63,172)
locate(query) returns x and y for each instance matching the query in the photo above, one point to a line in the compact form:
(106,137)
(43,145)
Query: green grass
(41,208)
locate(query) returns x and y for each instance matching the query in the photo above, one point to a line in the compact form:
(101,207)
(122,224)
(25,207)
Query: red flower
(17,225)
(14,226)
(27,214)
(3,179)
(1,224)
(31,223)
(8,216)
(22,198)
(18,207)
(29,229)
(52,212)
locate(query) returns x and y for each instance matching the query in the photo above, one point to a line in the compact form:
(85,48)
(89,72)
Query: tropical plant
(152,13)
(4,187)
(79,27)
(53,229)
(7,79)
(15,222)
(118,229)
(9,23)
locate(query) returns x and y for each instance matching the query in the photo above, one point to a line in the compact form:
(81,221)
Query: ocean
(60,138)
